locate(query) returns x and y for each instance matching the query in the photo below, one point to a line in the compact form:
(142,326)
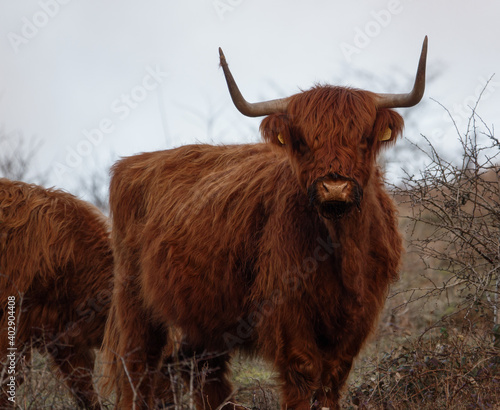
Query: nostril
(333,197)
(335,190)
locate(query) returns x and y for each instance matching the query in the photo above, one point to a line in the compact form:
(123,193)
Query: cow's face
(333,136)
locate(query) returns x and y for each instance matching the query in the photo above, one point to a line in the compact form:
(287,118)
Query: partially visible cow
(284,248)
(56,264)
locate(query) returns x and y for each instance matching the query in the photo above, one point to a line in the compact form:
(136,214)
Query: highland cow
(284,249)
(56,268)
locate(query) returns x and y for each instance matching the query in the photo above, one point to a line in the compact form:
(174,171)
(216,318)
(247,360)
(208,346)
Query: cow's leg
(168,387)
(140,369)
(75,366)
(139,350)
(333,379)
(300,370)
(170,381)
(212,385)
(336,366)
(130,340)
(205,378)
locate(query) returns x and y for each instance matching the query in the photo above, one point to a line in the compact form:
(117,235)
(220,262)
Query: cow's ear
(275,129)
(387,128)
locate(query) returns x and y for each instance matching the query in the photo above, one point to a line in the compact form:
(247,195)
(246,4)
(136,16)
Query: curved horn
(415,95)
(250,109)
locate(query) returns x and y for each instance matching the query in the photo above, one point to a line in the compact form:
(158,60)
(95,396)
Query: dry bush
(439,339)
(451,371)
(454,222)
(43,387)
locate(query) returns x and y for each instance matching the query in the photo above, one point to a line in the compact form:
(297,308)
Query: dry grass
(449,371)
(421,357)
(42,388)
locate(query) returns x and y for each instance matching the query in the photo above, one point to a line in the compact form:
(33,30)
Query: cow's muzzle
(334,195)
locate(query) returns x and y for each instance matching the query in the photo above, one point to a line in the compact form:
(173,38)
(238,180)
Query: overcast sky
(94,81)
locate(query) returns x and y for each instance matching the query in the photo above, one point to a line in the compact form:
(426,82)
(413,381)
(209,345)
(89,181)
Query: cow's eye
(300,147)
(298,144)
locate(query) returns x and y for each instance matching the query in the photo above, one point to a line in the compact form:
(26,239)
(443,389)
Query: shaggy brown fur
(56,259)
(224,244)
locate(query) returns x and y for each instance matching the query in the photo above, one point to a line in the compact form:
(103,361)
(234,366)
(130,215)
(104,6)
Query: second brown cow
(56,268)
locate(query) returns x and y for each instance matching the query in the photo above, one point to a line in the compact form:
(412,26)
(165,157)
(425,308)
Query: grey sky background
(94,81)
